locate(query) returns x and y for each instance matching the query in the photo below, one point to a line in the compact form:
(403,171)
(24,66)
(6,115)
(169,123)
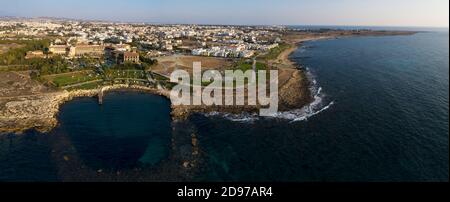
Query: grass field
(131,74)
(66,79)
(244,66)
(91,80)
(275,52)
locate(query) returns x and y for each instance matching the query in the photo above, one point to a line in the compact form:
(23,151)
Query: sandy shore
(296,44)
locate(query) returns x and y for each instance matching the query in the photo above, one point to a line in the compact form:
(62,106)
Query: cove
(130,130)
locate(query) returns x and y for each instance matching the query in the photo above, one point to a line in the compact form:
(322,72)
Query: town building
(79,50)
(34,54)
(59,49)
(131,57)
(95,51)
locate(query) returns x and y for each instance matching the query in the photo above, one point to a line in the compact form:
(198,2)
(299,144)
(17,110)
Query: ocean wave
(303,114)
(317,106)
(244,118)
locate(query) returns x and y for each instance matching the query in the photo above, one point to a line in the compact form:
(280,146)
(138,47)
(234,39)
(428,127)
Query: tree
(46,51)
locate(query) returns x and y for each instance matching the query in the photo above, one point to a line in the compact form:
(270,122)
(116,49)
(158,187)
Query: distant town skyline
(421,13)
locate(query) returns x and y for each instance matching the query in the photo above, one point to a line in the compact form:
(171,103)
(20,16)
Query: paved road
(254,71)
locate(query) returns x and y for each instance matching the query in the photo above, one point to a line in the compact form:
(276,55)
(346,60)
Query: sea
(380,114)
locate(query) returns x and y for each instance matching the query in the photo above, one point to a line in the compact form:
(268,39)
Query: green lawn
(61,80)
(244,66)
(131,74)
(275,52)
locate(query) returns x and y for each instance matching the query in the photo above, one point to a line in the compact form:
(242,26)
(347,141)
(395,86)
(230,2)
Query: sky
(425,13)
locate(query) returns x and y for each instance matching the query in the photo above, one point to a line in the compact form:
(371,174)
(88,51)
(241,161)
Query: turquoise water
(388,122)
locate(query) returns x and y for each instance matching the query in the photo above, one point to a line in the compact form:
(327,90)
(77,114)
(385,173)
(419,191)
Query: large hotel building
(78,50)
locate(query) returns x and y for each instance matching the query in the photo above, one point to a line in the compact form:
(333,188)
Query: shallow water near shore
(388,122)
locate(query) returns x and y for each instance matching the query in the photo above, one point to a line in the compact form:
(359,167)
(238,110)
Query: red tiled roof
(131,54)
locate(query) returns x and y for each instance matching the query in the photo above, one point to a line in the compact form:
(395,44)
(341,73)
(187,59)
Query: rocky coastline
(39,111)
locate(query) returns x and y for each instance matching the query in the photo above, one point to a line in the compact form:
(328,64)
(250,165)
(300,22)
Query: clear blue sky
(287,12)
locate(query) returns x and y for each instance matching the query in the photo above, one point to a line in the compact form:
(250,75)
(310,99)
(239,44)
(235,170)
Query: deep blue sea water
(389,122)
(130,130)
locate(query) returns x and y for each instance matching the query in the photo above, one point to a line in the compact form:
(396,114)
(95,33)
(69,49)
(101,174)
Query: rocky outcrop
(295,93)
(36,111)
(40,111)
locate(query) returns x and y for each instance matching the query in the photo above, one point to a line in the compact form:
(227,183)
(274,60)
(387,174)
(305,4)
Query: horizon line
(212,24)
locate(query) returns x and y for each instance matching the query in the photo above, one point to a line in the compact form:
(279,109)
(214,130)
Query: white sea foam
(244,118)
(303,114)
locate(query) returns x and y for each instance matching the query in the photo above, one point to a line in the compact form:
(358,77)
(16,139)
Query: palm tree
(46,52)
